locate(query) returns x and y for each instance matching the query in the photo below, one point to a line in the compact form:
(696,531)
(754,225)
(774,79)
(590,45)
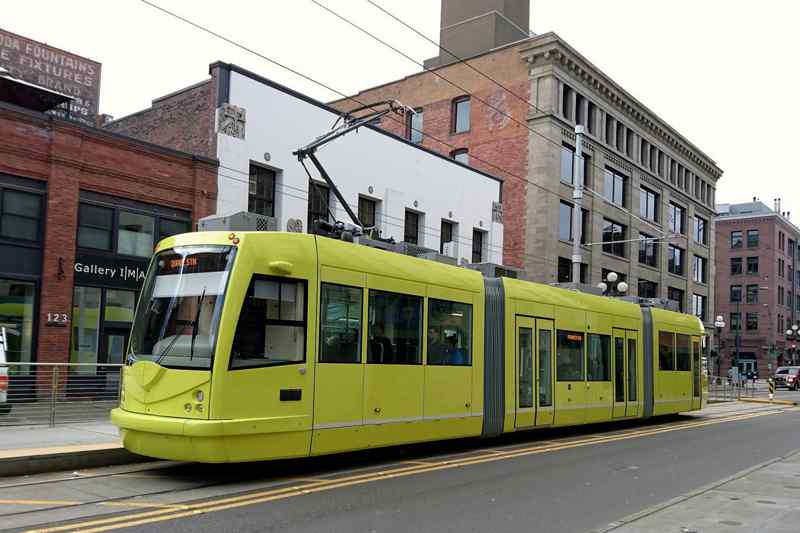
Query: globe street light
(610,287)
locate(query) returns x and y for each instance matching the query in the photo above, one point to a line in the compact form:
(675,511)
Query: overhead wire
(402,123)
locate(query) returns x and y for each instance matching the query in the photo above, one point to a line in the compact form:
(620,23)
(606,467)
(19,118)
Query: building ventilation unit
(241,221)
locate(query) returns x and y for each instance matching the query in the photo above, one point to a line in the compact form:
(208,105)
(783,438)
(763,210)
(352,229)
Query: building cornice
(549,48)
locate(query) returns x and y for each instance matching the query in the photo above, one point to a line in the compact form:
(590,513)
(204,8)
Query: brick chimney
(470,27)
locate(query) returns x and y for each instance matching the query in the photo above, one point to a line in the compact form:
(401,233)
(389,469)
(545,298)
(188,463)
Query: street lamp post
(719,323)
(793,336)
(611,287)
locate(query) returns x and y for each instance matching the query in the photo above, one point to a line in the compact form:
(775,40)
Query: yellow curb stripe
(287,492)
(39,502)
(29,452)
(145,505)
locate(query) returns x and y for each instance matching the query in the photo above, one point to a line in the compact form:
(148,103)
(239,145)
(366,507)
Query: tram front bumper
(213,441)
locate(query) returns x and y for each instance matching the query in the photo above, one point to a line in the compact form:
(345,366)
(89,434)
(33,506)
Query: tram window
(545,372)
(272,325)
(395,329)
(569,356)
(340,324)
(632,370)
(449,333)
(683,353)
(619,369)
(599,363)
(666,350)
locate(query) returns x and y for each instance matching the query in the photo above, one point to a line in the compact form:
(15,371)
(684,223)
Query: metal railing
(723,389)
(59,393)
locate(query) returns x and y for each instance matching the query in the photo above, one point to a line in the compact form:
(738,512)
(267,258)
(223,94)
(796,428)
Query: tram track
(310,482)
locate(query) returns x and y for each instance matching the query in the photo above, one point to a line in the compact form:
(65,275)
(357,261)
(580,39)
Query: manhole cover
(730,523)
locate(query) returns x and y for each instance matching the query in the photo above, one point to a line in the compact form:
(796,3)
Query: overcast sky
(724,73)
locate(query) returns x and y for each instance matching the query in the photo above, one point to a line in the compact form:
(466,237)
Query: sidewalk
(31,449)
(763,499)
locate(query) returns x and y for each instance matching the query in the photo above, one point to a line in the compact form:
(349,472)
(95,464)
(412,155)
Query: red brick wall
(182,121)
(72,158)
(497,145)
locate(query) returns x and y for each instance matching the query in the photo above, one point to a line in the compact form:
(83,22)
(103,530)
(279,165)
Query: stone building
(757,286)
(514,114)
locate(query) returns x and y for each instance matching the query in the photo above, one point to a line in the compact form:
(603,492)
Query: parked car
(787,376)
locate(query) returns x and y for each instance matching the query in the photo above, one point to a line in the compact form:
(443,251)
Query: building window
(791,248)
(591,118)
(677,218)
(461,155)
(411,231)
(565,271)
(610,129)
(477,246)
(699,306)
(648,289)
(414,125)
(461,114)
(736,293)
(648,204)
(736,321)
(566,101)
(565,223)
(95,227)
(736,266)
(781,298)
(699,269)
(614,187)
(319,196)
(675,260)
(261,199)
(168,228)
(700,231)
(752,238)
(567,160)
(366,211)
(135,234)
(676,295)
(736,239)
(579,118)
(21,217)
(751,321)
(752,294)
(752,265)
(613,238)
(18,298)
(446,235)
(648,250)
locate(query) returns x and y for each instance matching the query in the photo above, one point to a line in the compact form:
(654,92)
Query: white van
(5,407)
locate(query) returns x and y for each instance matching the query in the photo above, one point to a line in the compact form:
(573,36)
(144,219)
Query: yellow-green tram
(270,345)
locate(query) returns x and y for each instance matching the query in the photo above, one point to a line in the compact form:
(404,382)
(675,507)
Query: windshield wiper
(195,327)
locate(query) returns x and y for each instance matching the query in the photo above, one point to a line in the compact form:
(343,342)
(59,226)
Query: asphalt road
(554,481)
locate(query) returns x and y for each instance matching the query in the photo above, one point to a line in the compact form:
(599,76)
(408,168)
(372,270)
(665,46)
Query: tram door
(534,349)
(626,374)
(526,413)
(696,370)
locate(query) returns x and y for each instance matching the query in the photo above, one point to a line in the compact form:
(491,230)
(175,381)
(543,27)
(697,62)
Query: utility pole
(577,199)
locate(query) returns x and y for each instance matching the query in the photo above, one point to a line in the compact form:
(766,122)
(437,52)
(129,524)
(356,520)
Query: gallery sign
(54,69)
(109,271)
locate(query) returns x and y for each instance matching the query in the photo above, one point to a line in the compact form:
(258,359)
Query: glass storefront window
(135,236)
(16,315)
(120,306)
(85,326)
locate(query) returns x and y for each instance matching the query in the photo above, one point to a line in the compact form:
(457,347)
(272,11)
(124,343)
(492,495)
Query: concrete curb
(768,402)
(27,462)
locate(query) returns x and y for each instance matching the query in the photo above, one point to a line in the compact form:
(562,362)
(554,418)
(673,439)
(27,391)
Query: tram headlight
(198,395)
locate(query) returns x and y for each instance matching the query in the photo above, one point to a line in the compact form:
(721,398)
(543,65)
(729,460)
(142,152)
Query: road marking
(176,506)
(39,502)
(28,452)
(129,520)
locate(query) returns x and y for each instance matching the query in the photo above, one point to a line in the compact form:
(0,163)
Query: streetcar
(252,346)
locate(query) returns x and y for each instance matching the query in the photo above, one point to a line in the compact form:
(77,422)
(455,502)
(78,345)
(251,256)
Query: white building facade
(410,193)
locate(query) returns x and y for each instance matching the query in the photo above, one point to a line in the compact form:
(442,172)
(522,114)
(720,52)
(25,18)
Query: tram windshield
(178,313)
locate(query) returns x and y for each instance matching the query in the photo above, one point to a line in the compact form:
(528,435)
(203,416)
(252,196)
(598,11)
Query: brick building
(80,212)
(757,285)
(646,180)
